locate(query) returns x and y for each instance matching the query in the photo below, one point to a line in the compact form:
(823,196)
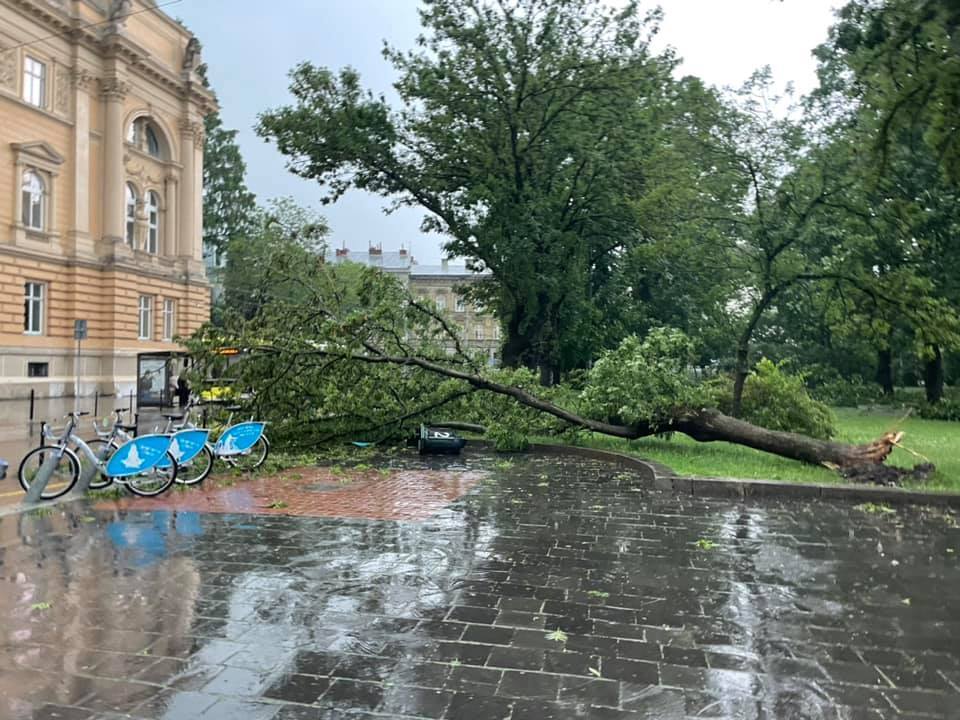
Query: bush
(943,410)
(776,400)
(844,392)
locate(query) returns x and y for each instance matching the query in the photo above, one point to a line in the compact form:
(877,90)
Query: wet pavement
(554,588)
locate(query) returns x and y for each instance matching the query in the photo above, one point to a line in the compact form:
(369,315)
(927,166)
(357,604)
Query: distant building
(439,283)
(101,166)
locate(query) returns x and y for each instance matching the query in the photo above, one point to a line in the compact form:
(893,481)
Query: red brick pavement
(317,492)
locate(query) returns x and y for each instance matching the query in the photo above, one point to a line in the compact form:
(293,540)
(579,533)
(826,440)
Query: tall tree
(229,208)
(523,133)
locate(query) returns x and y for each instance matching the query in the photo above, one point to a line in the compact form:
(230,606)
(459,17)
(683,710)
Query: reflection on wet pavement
(555,589)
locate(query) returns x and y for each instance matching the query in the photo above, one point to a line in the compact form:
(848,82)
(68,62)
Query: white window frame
(145,318)
(478,332)
(34,301)
(169,318)
(441,302)
(461,305)
(34,81)
(153,222)
(130,200)
(33,213)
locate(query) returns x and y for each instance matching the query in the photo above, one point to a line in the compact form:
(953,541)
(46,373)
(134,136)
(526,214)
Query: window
(38,369)
(33,308)
(34,82)
(131,216)
(153,222)
(478,333)
(33,192)
(461,305)
(169,318)
(145,331)
(143,135)
(496,332)
(441,302)
(153,144)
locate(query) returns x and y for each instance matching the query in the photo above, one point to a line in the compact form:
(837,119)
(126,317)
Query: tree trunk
(933,376)
(710,425)
(885,371)
(741,371)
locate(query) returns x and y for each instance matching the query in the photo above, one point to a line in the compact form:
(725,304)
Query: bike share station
(181,453)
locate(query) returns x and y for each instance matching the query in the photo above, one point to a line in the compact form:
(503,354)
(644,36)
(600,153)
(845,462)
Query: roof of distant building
(397,260)
(390,260)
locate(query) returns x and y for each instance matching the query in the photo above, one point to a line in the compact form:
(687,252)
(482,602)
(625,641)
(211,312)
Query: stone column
(81,81)
(171,218)
(190,130)
(114,92)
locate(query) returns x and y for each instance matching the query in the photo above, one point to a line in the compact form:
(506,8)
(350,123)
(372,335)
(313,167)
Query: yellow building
(101,162)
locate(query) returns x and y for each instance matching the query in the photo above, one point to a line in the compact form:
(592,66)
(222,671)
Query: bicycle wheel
(64,476)
(252,458)
(98,445)
(197,468)
(153,481)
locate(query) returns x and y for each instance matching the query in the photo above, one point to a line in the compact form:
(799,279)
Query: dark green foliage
(229,208)
(777,400)
(943,410)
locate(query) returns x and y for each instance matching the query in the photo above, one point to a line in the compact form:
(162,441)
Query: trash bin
(439,441)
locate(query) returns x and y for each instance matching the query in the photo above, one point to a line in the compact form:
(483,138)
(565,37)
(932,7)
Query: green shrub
(507,439)
(776,400)
(943,410)
(642,381)
(847,392)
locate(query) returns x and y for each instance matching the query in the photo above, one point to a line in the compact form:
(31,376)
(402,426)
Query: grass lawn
(937,440)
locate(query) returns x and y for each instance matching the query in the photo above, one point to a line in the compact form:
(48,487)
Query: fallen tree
(339,361)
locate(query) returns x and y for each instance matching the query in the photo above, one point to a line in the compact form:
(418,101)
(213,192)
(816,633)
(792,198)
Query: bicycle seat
(126,428)
(121,411)
(80,413)
(172,416)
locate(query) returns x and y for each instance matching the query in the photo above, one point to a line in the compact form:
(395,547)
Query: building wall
(129,64)
(443,291)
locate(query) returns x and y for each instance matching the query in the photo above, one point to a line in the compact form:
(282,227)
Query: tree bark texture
(933,376)
(885,371)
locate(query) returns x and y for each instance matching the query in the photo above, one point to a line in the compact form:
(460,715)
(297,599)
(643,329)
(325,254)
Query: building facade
(101,162)
(439,283)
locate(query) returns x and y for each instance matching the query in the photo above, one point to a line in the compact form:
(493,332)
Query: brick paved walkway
(320,492)
(553,589)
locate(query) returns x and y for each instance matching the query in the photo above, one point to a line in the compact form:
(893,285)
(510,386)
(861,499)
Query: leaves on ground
(598,594)
(875,508)
(41,606)
(277,505)
(557,635)
(704,544)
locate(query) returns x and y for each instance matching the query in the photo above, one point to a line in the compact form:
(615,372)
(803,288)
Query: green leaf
(557,635)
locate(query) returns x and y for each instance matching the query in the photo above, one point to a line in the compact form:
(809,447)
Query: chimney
(403,251)
(342,252)
(376,249)
(445,264)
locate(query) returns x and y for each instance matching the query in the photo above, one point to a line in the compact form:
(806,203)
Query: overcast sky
(251,46)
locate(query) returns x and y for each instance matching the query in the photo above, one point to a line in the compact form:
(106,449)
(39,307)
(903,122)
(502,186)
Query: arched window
(34,200)
(131,216)
(145,136)
(153,144)
(153,222)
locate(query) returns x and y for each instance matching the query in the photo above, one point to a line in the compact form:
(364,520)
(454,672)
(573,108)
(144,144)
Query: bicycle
(133,464)
(188,446)
(243,446)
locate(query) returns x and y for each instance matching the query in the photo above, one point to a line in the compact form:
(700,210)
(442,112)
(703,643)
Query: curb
(656,476)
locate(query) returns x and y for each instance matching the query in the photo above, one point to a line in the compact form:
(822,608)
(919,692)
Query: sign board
(79,329)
